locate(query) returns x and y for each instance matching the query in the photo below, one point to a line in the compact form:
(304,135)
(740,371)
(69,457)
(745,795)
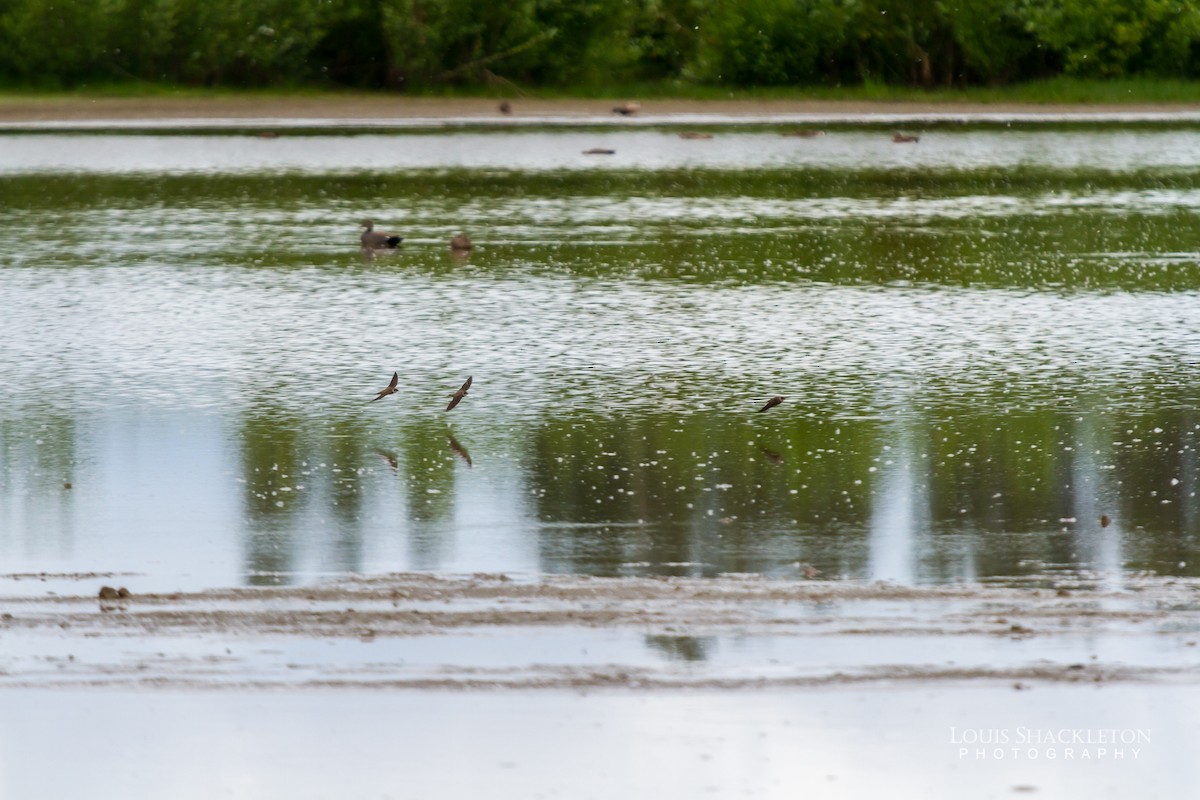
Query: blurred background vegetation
(439,45)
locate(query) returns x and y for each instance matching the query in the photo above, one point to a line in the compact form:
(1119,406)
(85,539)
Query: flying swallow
(457,397)
(774,401)
(462,451)
(904,138)
(391,387)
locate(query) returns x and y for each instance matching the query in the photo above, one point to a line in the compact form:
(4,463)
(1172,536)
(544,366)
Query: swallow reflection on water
(771,455)
(457,397)
(391,387)
(391,458)
(774,401)
(458,448)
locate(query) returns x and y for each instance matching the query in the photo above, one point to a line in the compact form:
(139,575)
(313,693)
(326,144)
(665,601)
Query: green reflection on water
(705,493)
(952,480)
(1018,228)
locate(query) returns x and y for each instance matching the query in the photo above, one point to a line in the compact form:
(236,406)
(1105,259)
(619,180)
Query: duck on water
(378,240)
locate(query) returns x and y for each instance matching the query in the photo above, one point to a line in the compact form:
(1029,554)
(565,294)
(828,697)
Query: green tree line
(417,45)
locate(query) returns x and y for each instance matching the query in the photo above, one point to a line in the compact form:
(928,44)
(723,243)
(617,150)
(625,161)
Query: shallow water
(541,150)
(828,744)
(987,342)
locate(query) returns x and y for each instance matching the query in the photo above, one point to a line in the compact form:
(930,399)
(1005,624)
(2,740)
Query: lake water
(987,341)
(826,744)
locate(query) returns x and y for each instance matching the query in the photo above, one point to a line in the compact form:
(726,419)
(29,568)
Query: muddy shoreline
(420,631)
(382,107)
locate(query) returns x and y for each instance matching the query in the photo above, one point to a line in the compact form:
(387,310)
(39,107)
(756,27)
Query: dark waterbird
(627,109)
(774,401)
(457,397)
(389,389)
(904,138)
(378,240)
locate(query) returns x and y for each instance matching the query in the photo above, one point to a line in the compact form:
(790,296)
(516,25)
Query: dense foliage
(421,44)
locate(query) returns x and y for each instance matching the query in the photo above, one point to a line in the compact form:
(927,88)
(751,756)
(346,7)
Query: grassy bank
(1056,91)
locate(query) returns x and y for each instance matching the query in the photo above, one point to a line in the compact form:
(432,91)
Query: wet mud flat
(416,685)
(492,631)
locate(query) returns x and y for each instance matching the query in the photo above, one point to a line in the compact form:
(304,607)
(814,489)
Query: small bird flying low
(457,397)
(774,401)
(390,389)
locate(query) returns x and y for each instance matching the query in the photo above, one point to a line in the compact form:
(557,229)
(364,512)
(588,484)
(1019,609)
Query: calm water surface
(987,342)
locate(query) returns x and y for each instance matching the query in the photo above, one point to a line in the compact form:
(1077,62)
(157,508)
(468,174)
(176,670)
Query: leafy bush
(1108,38)
(52,44)
(991,38)
(423,44)
(772,42)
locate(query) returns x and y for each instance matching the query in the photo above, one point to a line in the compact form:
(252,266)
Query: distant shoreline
(51,110)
